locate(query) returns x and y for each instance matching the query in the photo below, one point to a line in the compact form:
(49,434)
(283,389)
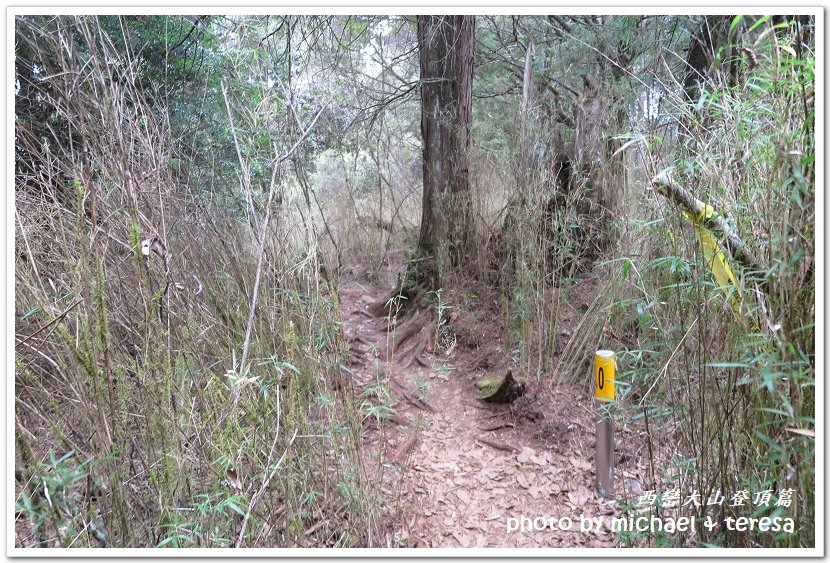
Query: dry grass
(130,361)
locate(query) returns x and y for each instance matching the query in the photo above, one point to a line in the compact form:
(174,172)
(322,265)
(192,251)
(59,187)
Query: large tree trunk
(446,57)
(702,56)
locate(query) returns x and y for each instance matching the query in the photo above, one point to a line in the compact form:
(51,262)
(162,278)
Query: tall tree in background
(702,60)
(445,45)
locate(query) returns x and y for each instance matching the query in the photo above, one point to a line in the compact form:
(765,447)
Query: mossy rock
(499,389)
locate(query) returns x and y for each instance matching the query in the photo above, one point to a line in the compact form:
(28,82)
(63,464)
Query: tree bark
(445,46)
(702,55)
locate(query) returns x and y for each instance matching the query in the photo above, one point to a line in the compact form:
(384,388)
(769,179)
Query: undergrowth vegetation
(191,194)
(136,290)
(733,367)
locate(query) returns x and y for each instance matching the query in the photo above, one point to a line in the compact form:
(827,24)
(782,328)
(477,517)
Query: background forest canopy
(192,193)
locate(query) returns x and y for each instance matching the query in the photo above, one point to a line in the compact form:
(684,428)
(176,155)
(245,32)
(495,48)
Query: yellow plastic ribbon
(715,258)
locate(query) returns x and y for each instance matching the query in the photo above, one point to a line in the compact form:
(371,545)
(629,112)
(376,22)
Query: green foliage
(140,351)
(740,387)
(52,498)
(195,129)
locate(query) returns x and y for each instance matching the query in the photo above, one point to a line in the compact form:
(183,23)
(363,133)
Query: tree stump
(499,389)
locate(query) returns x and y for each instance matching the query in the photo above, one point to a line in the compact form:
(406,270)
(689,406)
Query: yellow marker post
(604,391)
(604,376)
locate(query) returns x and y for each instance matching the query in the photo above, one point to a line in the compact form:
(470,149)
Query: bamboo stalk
(681,197)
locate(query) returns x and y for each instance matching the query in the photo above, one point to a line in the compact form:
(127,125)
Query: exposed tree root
(412,354)
(412,290)
(361,340)
(405,450)
(411,297)
(421,362)
(398,336)
(404,298)
(399,419)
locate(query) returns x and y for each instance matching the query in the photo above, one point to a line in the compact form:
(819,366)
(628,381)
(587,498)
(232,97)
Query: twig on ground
(496,444)
(498,426)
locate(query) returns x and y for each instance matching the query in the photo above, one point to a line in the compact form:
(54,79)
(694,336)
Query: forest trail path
(453,470)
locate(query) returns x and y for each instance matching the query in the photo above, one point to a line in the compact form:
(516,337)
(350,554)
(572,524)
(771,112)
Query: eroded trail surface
(453,471)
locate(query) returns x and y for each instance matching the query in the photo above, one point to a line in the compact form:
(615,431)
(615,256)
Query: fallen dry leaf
(581,464)
(802,432)
(460,538)
(525,455)
(233,479)
(539,460)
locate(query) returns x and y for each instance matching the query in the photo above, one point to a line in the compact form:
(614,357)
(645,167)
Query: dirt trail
(455,469)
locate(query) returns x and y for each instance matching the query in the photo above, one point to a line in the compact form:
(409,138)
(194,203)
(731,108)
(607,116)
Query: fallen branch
(716,223)
(477,405)
(497,445)
(261,491)
(415,400)
(99,534)
(498,426)
(315,527)
(268,206)
(267,480)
